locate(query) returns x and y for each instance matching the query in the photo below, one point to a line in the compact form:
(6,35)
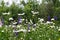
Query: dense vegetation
(45,9)
(34,21)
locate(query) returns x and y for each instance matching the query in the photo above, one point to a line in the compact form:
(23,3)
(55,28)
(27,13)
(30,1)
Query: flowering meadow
(30,20)
(38,31)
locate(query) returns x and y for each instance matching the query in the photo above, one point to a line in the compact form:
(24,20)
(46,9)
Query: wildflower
(34,12)
(28,30)
(14,22)
(13,25)
(48,22)
(21,14)
(55,17)
(2,31)
(58,29)
(11,19)
(15,30)
(19,20)
(49,18)
(18,26)
(1,23)
(8,13)
(52,19)
(4,13)
(9,25)
(52,26)
(23,30)
(28,26)
(41,20)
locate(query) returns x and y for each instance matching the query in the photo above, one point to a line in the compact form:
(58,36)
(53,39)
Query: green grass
(42,32)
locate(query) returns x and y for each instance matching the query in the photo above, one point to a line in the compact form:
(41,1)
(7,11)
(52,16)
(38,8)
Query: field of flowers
(30,20)
(39,31)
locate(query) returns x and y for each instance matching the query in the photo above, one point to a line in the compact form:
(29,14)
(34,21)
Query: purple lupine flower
(16,33)
(2,21)
(19,20)
(28,26)
(55,17)
(49,18)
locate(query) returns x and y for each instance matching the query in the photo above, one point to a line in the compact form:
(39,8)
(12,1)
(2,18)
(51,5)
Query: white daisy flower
(13,26)
(4,13)
(59,29)
(41,19)
(8,13)
(0,25)
(52,19)
(48,22)
(15,23)
(10,18)
(52,26)
(18,26)
(34,12)
(2,31)
(10,25)
(28,30)
(21,14)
